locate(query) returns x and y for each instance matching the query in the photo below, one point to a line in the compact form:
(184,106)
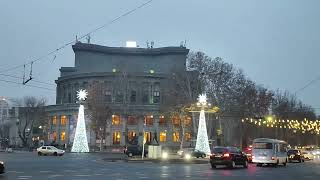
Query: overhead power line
(13,82)
(308,84)
(17,77)
(81,37)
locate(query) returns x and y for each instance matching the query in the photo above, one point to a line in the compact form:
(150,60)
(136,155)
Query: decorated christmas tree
(80,142)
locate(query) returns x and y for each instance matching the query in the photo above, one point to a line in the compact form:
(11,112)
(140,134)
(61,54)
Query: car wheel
(232,165)
(259,165)
(55,154)
(39,154)
(213,166)
(245,164)
(60,154)
(285,163)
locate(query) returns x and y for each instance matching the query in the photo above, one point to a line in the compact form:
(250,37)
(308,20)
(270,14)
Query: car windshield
(293,151)
(262,145)
(220,150)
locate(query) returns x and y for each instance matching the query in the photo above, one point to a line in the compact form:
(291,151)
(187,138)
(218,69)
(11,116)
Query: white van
(269,151)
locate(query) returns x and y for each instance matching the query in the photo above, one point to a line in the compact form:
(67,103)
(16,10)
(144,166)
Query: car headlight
(1,162)
(164,155)
(187,156)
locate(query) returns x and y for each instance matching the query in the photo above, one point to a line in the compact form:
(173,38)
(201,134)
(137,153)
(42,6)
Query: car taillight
(273,158)
(226,155)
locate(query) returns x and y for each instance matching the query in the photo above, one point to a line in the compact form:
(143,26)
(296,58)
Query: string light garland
(303,126)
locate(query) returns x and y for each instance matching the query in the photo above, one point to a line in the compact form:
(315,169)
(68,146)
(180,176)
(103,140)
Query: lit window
(132,120)
(176,137)
(116,120)
(163,136)
(176,121)
(54,120)
(63,136)
(63,120)
(187,137)
(132,137)
(116,137)
(147,137)
(162,120)
(149,120)
(187,121)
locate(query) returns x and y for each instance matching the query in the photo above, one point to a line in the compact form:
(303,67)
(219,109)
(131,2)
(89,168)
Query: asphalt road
(90,166)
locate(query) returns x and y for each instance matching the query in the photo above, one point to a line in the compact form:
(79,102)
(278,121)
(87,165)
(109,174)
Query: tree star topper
(202,99)
(82,94)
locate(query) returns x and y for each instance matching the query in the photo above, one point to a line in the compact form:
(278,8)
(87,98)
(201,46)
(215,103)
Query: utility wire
(12,82)
(308,84)
(81,37)
(17,77)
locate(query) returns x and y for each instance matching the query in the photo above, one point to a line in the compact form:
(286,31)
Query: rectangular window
(262,145)
(176,137)
(147,137)
(149,120)
(54,120)
(54,136)
(108,96)
(162,121)
(115,120)
(116,137)
(119,97)
(187,121)
(176,121)
(163,136)
(133,96)
(132,120)
(132,137)
(187,137)
(63,136)
(63,120)
(156,97)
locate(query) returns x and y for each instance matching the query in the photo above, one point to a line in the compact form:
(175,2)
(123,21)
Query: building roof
(129,50)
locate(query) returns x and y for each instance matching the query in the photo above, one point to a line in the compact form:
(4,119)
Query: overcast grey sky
(276,42)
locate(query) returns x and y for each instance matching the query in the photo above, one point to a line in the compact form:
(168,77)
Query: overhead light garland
(303,126)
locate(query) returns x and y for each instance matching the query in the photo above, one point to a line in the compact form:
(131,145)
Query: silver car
(50,150)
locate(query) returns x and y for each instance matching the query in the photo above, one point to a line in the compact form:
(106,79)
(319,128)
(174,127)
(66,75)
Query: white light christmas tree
(80,142)
(202,143)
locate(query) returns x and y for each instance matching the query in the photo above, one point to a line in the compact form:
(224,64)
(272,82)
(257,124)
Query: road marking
(24,177)
(82,175)
(45,171)
(55,175)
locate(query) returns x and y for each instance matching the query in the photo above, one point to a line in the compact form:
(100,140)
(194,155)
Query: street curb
(157,161)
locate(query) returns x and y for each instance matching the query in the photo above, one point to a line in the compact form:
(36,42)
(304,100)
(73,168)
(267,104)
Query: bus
(269,151)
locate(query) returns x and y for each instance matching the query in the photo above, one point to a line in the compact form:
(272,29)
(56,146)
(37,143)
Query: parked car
(191,152)
(1,167)
(50,150)
(248,152)
(295,155)
(307,155)
(135,151)
(228,156)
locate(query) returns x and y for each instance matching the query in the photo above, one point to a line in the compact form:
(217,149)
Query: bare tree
(99,111)
(32,113)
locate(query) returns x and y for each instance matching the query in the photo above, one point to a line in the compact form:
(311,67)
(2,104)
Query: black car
(228,156)
(295,155)
(1,167)
(135,151)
